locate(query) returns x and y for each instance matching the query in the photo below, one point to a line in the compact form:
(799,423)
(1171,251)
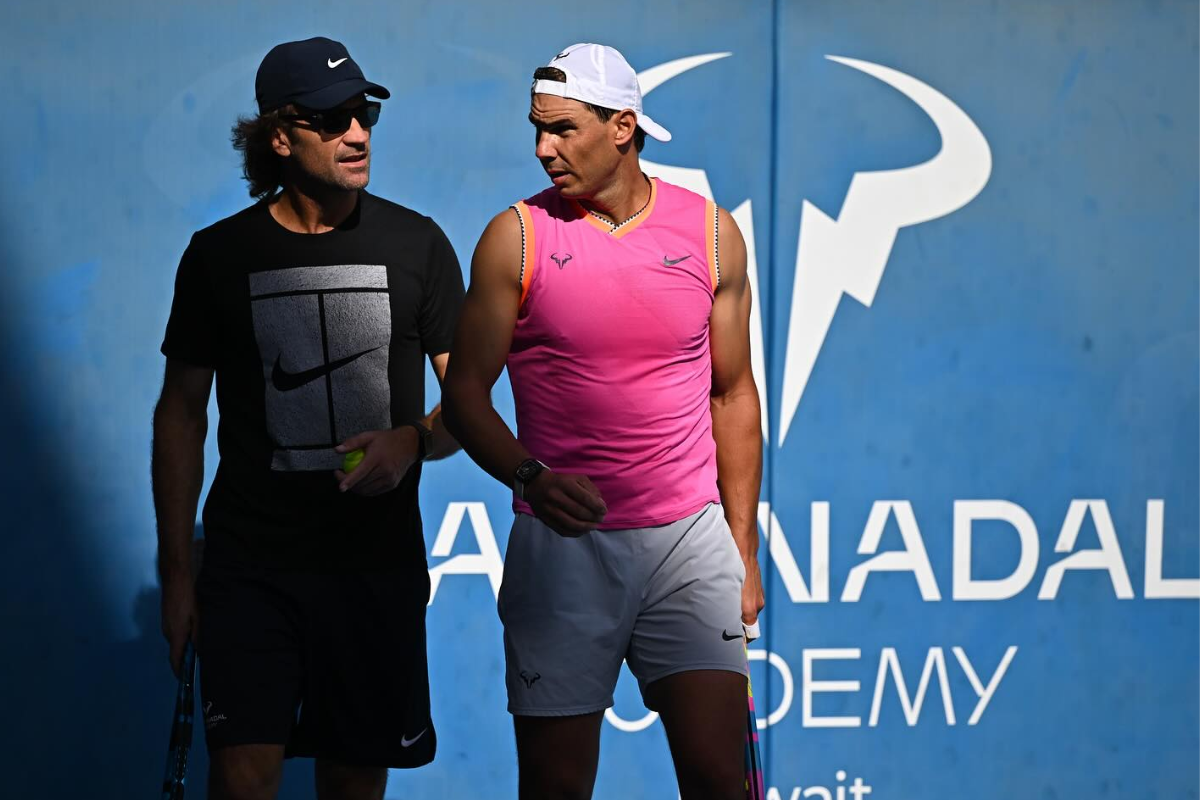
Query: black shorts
(329,665)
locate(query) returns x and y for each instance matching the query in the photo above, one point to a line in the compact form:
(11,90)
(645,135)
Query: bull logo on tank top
(323,335)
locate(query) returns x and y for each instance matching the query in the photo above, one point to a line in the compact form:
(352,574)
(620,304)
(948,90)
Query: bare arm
(735,409)
(177,470)
(481,345)
(569,504)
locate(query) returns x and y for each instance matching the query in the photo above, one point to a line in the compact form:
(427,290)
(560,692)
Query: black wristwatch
(424,440)
(529,469)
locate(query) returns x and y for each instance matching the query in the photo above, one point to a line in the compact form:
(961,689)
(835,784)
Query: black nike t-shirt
(314,338)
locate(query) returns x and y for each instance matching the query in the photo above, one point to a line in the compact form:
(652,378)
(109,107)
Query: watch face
(528,470)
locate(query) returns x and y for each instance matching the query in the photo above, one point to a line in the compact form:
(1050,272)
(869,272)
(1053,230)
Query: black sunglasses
(338,120)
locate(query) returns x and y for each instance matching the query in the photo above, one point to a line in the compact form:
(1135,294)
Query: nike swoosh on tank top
(610,364)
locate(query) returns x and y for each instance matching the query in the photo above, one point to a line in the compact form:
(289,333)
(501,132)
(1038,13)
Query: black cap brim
(335,94)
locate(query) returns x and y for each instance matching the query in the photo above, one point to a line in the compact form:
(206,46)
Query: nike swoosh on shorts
(406,742)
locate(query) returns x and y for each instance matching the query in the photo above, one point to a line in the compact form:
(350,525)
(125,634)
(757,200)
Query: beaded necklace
(614,226)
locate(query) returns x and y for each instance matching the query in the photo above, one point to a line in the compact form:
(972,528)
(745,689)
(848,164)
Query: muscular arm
(569,504)
(180,425)
(177,470)
(735,409)
(481,344)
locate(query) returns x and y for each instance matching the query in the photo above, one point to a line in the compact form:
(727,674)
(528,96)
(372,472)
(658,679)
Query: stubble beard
(332,179)
(349,181)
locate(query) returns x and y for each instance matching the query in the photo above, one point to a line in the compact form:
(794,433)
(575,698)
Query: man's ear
(625,123)
(281,143)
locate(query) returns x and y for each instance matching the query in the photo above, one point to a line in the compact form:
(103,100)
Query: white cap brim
(653,129)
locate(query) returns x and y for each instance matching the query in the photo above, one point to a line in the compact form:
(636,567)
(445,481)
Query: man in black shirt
(315,309)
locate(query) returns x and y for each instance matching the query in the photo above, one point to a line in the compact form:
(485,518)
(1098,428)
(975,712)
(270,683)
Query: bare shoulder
(501,236)
(497,258)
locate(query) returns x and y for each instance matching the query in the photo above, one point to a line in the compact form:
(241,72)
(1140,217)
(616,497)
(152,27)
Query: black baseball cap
(316,73)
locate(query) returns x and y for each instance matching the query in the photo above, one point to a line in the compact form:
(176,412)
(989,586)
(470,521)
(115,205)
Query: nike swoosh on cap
(333,63)
(286,381)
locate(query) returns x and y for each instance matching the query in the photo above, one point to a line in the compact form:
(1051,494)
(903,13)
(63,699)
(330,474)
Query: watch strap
(525,473)
(424,439)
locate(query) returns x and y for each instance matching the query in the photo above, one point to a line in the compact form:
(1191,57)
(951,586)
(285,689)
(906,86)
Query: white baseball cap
(600,75)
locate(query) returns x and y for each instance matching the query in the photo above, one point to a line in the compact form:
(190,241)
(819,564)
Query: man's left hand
(387,456)
(752,593)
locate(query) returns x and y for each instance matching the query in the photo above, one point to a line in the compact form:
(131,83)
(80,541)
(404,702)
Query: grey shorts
(666,599)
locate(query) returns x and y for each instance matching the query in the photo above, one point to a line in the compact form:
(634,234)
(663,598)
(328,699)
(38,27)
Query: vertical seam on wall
(768,358)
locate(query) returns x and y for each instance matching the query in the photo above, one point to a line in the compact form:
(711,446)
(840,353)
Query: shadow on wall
(84,715)
(75,704)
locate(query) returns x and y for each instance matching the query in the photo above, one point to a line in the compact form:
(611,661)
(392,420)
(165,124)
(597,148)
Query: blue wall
(1033,340)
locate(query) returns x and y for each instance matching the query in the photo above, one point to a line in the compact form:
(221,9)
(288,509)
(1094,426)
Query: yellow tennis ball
(352,460)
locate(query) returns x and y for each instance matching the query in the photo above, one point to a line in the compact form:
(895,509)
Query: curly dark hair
(602,114)
(262,167)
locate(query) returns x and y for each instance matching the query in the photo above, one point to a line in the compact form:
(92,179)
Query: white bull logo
(847,255)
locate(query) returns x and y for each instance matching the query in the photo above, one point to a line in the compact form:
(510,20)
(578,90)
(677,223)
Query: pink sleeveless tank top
(609,364)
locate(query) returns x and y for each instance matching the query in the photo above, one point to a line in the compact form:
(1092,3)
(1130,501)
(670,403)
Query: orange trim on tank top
(623,231)
(527,257)
(599,225)
(710,240)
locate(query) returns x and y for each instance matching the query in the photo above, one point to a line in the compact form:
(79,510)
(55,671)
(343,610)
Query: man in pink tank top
(620,305)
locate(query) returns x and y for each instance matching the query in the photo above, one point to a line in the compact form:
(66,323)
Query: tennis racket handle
(181,728)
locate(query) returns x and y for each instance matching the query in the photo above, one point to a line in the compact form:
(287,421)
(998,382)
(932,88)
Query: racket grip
(181,728)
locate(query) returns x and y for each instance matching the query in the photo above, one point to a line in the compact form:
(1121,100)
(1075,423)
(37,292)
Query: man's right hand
(570,505)
(179,616)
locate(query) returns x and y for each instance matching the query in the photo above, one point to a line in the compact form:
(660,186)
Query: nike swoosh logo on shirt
(286,381)
(670,262)
(333,63)
(406,742)
(725,635)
